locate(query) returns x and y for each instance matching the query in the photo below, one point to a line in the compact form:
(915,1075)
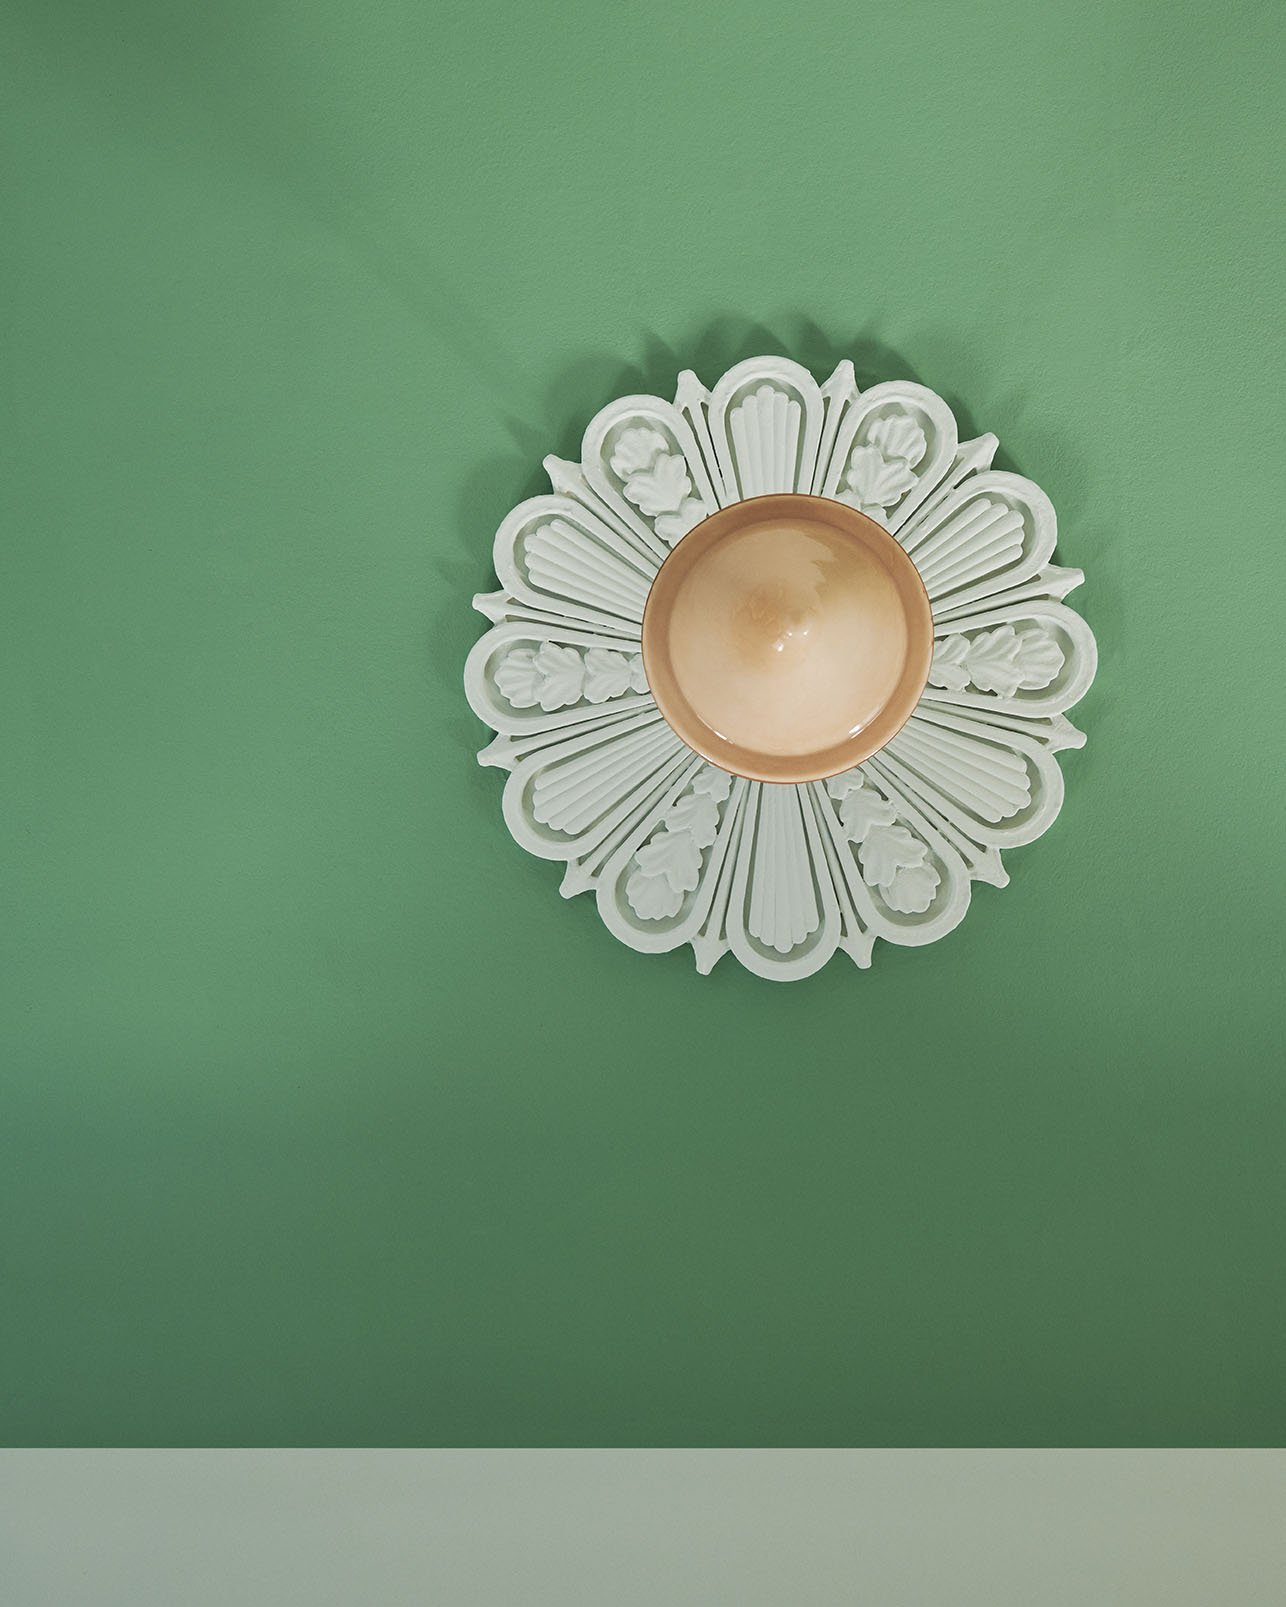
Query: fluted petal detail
(765,419)
(783,918)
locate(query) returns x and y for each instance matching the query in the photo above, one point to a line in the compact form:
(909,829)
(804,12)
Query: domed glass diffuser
(787,638)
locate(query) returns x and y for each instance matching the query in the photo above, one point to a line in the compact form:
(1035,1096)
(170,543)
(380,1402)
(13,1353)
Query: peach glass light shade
(787,637)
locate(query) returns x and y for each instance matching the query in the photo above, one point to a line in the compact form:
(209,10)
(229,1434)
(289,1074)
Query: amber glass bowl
(787,637)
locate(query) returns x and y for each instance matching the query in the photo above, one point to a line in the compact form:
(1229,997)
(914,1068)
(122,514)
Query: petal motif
(580,788)
(783,919)
(894,446)
(997,787)
(641,459)
(524,677)
(765,420)
(644,908)
(897,876)
(557,557)
(990,533)
(1002,660)
(1033,658)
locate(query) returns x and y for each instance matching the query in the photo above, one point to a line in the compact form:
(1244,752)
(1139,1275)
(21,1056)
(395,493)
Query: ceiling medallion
(780,667)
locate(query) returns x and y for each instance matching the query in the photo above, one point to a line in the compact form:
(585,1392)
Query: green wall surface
(324,1120)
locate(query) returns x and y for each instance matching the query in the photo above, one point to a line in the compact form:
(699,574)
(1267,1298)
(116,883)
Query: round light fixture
(779,667)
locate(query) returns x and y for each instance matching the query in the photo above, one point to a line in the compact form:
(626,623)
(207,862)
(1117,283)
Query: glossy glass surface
(787,637)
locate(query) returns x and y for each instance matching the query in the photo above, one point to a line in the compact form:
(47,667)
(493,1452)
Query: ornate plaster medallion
(780,668)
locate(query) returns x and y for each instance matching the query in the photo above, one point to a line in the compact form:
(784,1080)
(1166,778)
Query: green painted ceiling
(325,1119)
